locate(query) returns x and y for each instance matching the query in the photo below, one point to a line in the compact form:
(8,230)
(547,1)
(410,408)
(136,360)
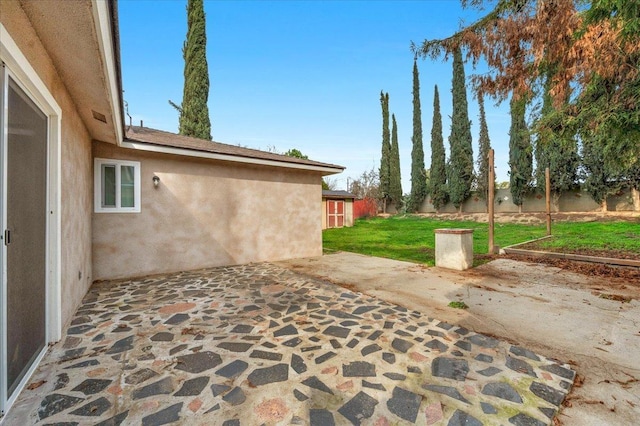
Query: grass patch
(594,237)
(458,305)
(412,238)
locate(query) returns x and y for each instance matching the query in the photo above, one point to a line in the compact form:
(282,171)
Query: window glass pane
(127,185)
(108,185)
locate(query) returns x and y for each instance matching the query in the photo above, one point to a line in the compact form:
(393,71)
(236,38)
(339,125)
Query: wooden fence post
(490,201)
(547,177)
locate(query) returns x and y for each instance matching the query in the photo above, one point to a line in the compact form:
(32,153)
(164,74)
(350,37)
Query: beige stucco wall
(206,213)
(76,181)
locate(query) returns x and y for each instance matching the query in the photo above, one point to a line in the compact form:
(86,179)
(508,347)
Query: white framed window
(116,186)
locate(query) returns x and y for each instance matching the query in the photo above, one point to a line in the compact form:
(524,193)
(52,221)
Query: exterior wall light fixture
(156,181)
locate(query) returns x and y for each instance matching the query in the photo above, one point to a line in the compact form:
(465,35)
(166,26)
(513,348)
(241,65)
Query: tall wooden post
(490,200)
(547,177)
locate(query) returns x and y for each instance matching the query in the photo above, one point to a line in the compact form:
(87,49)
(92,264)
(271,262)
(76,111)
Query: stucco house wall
(206,213)
(216,204)
(76,164)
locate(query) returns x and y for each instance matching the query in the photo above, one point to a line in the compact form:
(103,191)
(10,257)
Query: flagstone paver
(260,344)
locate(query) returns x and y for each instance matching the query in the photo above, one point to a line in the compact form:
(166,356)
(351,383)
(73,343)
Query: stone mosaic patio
(258,344)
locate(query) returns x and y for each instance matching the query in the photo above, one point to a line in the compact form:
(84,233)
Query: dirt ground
(590,320)
(620,278)
(538,245)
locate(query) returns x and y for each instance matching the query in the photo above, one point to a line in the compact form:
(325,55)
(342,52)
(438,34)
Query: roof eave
(339,196)
(106,26)
(335,197)
(325,170)
(115,31)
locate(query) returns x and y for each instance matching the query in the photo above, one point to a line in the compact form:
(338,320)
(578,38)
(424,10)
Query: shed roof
(336,194)
(146,139)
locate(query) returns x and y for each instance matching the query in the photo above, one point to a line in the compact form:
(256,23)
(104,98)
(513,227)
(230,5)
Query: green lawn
(614,237)
(411,238)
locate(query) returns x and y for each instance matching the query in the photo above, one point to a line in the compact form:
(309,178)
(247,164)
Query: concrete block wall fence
(568,202)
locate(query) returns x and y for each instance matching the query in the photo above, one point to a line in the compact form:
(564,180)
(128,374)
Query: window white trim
(97,186)
(25,75)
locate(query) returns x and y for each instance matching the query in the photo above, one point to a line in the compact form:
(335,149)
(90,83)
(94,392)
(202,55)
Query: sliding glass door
(23,204)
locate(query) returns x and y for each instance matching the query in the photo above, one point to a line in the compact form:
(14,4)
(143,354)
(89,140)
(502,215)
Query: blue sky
(303,74)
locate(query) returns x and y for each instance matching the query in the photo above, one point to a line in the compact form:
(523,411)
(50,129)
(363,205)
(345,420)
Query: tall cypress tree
(520,155)
(194,112)
(385,165)
(395,181)
(483,154)
(418,173)
(438,172)
(461,159)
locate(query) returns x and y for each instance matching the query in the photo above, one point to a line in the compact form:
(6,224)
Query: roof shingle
(327,193)
(166,139)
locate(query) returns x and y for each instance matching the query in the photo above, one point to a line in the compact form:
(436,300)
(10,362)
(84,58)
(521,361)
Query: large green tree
(556,147)
(617,139)
(484,146)
(461,158)
(418,173)
(520,152)
(600,178)
(385,157)
(599,181)
(589,49)
(438,170)
(194,112)
(395,180)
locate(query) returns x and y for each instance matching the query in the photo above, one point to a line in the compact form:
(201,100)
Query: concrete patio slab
(260,344)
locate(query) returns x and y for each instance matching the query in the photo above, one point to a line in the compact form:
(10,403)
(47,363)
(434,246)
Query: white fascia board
(102,21)
(233,158)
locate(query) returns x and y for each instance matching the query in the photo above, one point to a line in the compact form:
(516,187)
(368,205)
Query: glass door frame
(3,255)
(14,65)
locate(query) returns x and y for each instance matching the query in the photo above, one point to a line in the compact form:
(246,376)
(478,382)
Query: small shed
(337,209)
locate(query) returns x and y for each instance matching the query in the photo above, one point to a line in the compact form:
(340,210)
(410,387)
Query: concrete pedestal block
(454,248)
